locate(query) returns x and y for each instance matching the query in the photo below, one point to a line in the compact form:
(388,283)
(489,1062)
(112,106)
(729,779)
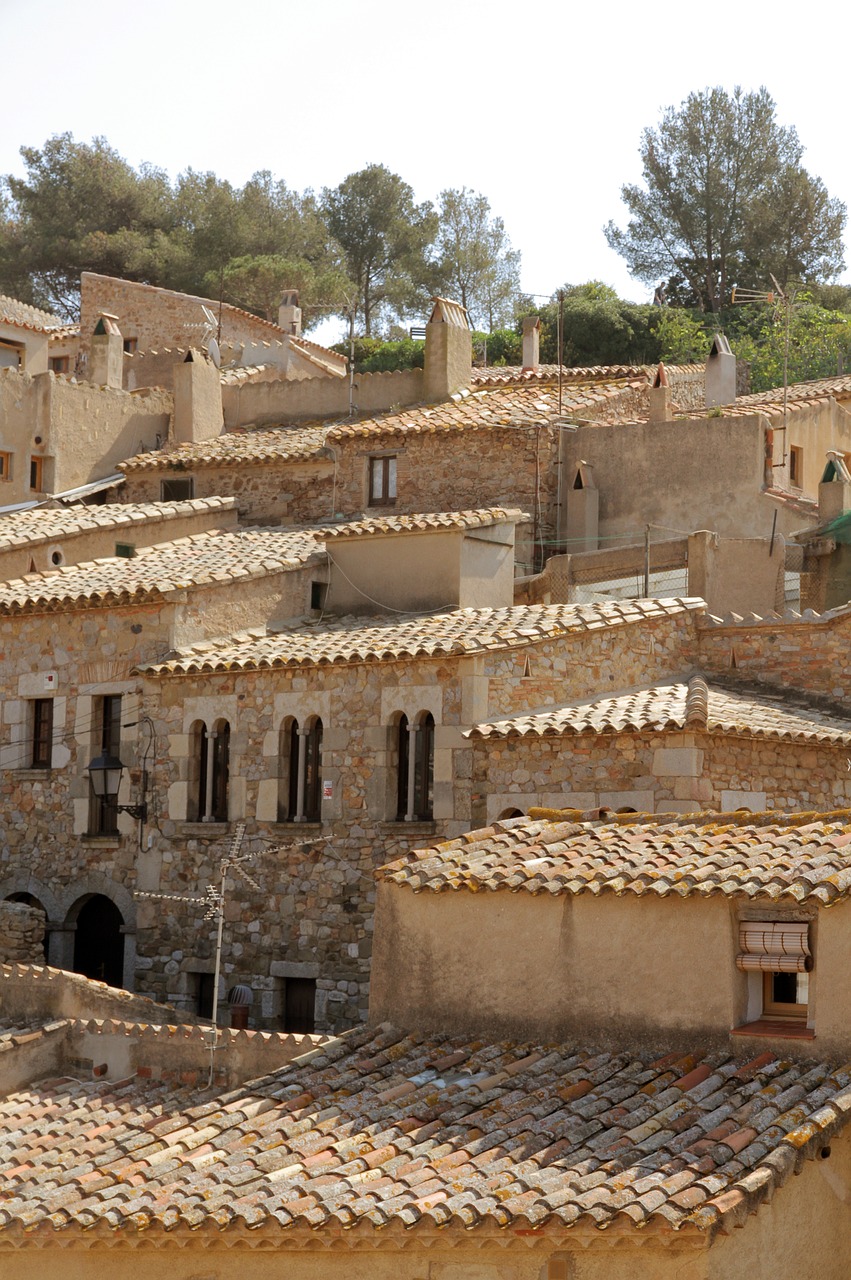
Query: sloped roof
(383,639)
(674,706)
(236,449)
(381,525)
(378,1129)
(23,316)
(799,857)
(45,524)
(203,559)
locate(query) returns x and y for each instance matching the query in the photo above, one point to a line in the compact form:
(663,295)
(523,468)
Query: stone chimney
(834,491)
(197,400)
(531,341)
(106,360)
(289,314)
(448,351)
(720,373)
(659,397)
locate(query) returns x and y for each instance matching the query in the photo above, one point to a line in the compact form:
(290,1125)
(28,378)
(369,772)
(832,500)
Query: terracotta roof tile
(416,523)
(46,524)
(801,857)
(767,713)
(155,572)
(501,1138)
(506,375)
(237,448)
(383,639)
(23,316)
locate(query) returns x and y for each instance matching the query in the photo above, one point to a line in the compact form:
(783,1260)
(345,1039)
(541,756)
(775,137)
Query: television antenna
(210,334)
(776,297)
(233,860)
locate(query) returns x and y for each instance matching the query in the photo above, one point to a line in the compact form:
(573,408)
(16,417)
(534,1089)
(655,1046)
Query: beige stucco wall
(601,969)
(737,575)
(32,346)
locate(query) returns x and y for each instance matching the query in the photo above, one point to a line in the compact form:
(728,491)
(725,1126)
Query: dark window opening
(125,550)
(299,1005)
(99,942)
(796,466)
(313,772)
(37,474)
(215,778)
(204,994)
(318,592)
(42,733)
(177,490)
(424,769)
(130,345)
(59,364)
(403,754)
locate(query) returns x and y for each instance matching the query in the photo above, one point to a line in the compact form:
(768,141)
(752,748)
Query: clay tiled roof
(802,857)
(204,559)
(236,449)
(23,316)
(380,1130)
(693,704)
(355,640)
(799,503)
(45,524)
(415,524)
(801,396)
(503,406)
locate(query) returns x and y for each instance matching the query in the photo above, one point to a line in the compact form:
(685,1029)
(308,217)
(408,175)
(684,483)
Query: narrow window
(103,813)
(313,772)
(424,769)
(59,364)
(37,474)
(796,466)
(5,466)
(382,481)
(299,1005)
(402,760)
(42,733)
(130,345)
(204,995)
(210,772)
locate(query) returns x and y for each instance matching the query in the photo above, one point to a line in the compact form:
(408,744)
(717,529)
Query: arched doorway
(99,942)
(30,901)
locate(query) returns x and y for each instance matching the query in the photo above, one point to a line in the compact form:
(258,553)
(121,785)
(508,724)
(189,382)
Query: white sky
(538,106)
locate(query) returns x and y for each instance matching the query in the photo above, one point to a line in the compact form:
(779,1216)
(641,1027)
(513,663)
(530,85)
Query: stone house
(673,747)
(530,1108)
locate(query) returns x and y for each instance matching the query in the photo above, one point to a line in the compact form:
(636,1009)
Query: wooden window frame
(772,1008)
(41,755)
(59,364)
(383,468)
(5,464)
(37,475)
(103,814)
(189,481)
(796,466)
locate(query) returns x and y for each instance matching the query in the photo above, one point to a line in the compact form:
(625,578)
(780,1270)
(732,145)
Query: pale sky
(538,106)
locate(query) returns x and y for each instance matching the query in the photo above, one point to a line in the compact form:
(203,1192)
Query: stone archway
(98,939)
(30,900)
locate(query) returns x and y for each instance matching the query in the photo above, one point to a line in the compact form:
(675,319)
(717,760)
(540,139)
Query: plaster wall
(813,429)
(602,969)
(87,430)
(685,474)
(737,575)
(266,402)
(32,347)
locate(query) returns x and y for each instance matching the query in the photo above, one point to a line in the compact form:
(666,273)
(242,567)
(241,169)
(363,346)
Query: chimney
(834,491)
(531,341)
(659,397)
(106,360)
(289,314)
(197,400)
(448,351)
(720,373)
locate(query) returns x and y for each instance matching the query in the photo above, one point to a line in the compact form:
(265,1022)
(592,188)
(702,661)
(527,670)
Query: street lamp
(105,779)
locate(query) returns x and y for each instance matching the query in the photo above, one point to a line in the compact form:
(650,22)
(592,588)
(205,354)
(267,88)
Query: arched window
(313,771)
(300,777)
(424,768)
(209,772)
(400,745)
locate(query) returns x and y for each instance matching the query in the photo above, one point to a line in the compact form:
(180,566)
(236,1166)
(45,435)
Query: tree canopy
(474,261)
(384,235)
(365,244)
(726,200)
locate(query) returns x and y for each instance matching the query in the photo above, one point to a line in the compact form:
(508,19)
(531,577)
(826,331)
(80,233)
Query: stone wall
(657,772)
(267,493)
(21,934)
(264,401)
(813,653)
